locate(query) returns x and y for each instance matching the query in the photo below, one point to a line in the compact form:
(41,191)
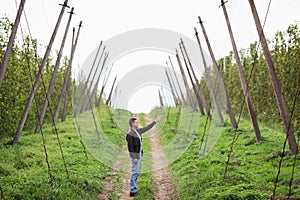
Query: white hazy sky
(105,19)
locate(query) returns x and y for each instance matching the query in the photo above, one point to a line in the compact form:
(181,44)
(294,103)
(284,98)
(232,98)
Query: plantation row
(199,172)
(285,51)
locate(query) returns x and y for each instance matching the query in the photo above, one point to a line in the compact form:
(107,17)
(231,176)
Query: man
(134,143)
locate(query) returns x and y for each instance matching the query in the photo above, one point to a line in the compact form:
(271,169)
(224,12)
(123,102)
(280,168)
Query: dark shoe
(132,194)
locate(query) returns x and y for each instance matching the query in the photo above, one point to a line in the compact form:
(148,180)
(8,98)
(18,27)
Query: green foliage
(285,48)
(21,71)
(252,168)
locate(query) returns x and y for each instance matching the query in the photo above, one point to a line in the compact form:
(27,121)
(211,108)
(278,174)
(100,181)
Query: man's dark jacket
(133,141)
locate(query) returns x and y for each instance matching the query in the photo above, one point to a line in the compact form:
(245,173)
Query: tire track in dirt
(164,189)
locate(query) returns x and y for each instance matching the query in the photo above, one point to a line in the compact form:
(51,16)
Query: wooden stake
(11,41)
(189,95)
(182,96)
(67,75)
(84,103)
(160,99)
(38,77)
(242,77)
(87,81)
(173,83)
(110,94)
(105,79)
(219,79)
(53,76)
(197,82)
(288,127)
(209,82)
(192,82)
(171,86)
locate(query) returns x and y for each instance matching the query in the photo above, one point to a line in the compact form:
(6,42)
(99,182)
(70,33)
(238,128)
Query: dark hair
(131,120)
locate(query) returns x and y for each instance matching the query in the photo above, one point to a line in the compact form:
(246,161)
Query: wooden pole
(11,42)
(242,77)
(87,81)
(288,127)
(197,82)
(110,94)
(103,85)
(192,82)
(185,82)
(209,82)
(219,79)
(171,86)
(53,76)
(91,98)
(38,77)
(167,102)
(83,105)
(160,99)
(65,107)
(173,83)
(182,96)
(67,76)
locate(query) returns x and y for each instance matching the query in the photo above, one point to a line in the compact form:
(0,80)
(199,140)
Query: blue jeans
(135,172)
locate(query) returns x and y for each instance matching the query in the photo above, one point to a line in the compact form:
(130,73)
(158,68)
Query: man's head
(133,123)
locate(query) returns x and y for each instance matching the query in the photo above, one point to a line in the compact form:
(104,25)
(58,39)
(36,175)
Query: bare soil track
(164,189)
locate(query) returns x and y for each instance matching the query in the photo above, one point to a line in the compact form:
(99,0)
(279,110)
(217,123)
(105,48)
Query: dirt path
(164,189)
(162,180)
(109,183)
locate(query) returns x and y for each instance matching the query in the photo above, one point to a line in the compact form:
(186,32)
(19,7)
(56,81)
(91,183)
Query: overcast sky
(104,19)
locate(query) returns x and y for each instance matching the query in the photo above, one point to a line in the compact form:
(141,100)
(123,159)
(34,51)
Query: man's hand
(135,161)
(159,118)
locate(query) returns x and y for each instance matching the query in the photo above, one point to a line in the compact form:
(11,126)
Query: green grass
(24,172)
(252,168)
(197,170)
(23,169)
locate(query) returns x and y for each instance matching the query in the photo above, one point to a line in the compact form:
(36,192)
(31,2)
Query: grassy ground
(24,173)
(197,172)
(252,169)
(23,170)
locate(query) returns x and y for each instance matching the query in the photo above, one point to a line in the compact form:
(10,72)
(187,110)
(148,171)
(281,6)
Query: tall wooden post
(209,82)
(67,75)
(87,81)
(173,83)
(242,77)
(164,95)
(171,86)
(160,99)
(53,76)
(189,95)
(110,93)
(275,83)
(38,77)
(86,97)
(219,78)
(192,82)
(91,98)
(11,41)
(182,96)
(103,85)
(200,92)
